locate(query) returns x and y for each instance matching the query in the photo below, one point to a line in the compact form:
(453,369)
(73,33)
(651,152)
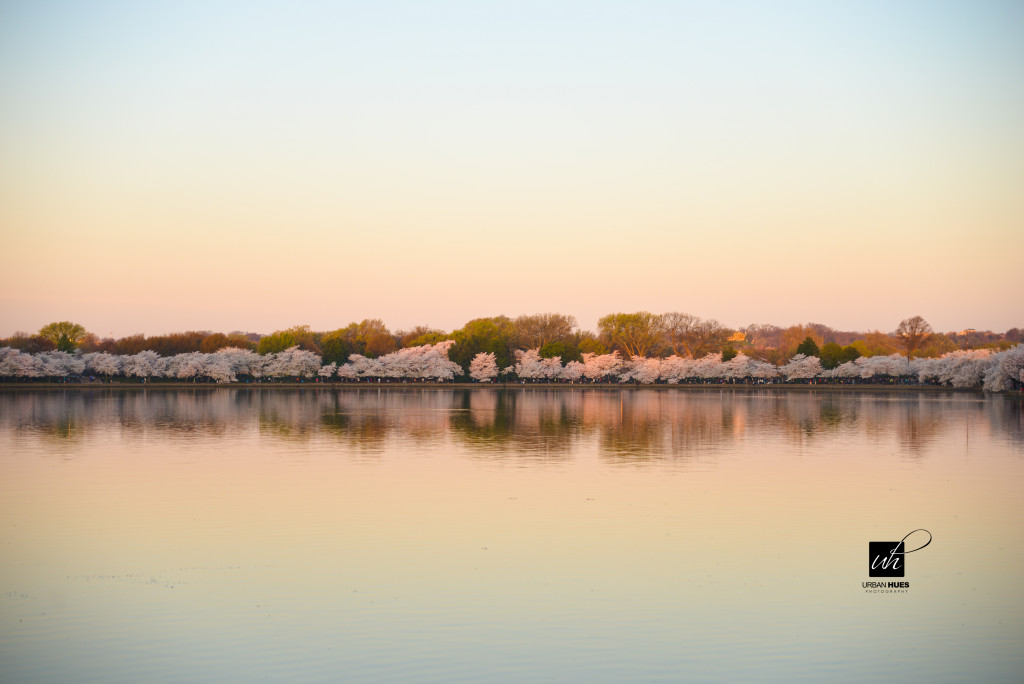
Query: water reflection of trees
(627,425)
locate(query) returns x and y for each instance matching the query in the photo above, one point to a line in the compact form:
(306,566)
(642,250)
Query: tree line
(544,347)
(552,334)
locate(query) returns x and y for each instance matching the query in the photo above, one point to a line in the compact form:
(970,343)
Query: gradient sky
(200,165)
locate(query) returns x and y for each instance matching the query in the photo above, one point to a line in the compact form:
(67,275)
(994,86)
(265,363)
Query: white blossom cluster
(483,367)
(425,362)
(224,365)
(994,371)
(991,370)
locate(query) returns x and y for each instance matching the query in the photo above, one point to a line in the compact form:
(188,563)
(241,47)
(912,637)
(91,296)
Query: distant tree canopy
(215,341)
(420,335)
(535,331)
(636,334)
(32,344)
(689,335)
(875,343)
(65,335)
(300,336)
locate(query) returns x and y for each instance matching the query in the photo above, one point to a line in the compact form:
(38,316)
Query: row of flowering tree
(225,365)
(995,371)
(985,368)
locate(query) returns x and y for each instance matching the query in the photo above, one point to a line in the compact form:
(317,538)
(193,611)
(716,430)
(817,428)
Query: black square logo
(886,559)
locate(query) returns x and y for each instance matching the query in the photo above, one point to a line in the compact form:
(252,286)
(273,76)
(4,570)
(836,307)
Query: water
(480,535)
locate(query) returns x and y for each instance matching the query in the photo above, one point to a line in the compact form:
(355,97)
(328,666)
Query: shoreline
(403,386)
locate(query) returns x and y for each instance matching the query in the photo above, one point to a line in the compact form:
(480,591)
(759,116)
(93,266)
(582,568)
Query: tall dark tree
(808,347)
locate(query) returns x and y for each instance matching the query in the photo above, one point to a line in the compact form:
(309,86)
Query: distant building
(738,337)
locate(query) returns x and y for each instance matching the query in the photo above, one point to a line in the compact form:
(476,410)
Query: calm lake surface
(485,535)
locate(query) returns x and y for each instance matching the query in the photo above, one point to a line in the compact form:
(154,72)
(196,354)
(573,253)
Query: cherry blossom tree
(18,364)
(675,368)
(958,368)
(294,362)
(573,371)
(528,364)
(801,367)
(101,363)
(551,368)
(186,366)
(145,364)
(892,366)
(848,370)
(360,367)
(596,367)
(762,370)
(347,371)
(438,365)
(641,369)
(709,367)
(217,367)
(1005,370)
(426,361)
(483,367)
(737,368)
(58,364)
(245,361)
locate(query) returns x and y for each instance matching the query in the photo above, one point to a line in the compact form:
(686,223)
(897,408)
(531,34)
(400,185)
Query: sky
(253,166)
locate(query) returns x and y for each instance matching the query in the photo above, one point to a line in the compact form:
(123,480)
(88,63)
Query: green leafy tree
(419,336)
(636,334)
(335,347)
(592,345)
(937,345)
(553,349)
(875,343)
(493,335)
(850,353)
(297,336)
(65,335)
(830,355)
(728,353)
(808,347)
